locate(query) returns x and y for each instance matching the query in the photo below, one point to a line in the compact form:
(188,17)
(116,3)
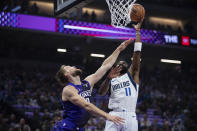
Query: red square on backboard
(185,41)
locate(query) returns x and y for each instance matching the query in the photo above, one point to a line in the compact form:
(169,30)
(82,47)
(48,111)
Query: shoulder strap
(131,79)
(109,91)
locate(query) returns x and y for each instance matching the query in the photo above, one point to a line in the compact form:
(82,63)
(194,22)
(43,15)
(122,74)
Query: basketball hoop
(120,12)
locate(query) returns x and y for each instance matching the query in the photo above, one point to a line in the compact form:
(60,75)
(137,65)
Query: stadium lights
(15,9)
(61,50)
(97,55)
(165,21)
(93,29)
(171,61)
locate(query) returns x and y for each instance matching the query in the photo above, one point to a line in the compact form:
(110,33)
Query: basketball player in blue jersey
(123,85)
(76,94)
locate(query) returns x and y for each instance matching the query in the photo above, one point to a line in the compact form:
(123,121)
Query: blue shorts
(66,125)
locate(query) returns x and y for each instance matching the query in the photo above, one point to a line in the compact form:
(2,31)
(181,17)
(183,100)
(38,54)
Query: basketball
(137,13)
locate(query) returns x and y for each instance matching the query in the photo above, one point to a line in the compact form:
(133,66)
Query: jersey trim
(73,85)
(132,81)
(70,84)
(109,91)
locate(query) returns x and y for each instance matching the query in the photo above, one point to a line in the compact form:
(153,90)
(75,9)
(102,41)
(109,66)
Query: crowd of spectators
(30,100)
(172,94)
(32,93)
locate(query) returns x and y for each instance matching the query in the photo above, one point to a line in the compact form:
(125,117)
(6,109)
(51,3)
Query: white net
(120,12)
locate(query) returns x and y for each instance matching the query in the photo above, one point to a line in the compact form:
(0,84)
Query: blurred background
(36,41)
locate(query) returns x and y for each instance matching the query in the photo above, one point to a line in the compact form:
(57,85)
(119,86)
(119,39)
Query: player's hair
(60,77)
(117,62)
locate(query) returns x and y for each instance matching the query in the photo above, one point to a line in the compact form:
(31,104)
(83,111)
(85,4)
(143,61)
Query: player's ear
(68,76)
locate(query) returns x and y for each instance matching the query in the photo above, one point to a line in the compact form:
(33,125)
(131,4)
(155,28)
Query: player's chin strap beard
(124,70)
(78,72)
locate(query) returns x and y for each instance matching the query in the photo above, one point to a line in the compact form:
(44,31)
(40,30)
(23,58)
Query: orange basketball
(137,13)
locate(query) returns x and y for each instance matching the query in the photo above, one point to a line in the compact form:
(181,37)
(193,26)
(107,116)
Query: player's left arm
(107,64)
(135,67)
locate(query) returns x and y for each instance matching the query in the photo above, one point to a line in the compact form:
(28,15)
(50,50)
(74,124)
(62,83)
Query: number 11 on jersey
(128,91)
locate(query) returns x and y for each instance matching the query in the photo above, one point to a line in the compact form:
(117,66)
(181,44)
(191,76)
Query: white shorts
(130,124)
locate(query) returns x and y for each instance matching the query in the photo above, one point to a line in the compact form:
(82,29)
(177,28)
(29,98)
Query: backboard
(66,6)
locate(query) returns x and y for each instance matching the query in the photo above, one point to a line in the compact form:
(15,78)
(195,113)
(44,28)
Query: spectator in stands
(34,9)
(86,16)
(22,125)
(155,126)
(46,126)
(26,128)
(37,119)
(93,16)
(11,129)
(166,126)
(178,125)
(91,125)
(33,101)
(46,117)
(12,120)
(101,124)
(145,123)
(3,125)
(37,129)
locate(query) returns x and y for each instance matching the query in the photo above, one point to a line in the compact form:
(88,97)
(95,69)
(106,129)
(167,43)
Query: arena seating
(35,95)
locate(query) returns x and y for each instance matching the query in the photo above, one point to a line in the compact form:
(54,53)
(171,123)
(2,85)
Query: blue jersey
(74,113)
(75,116)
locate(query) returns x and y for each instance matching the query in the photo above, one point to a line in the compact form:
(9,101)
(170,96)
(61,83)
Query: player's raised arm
(71,94)
(135,67)
(107,64)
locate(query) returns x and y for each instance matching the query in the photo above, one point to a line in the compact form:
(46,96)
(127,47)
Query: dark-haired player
(123,84)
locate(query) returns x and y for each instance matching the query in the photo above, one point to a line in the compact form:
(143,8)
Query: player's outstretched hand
(124,44)
(116,119)
(138,26)
(114,72)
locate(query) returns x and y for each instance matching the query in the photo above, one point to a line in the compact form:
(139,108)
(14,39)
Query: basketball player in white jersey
(123,84)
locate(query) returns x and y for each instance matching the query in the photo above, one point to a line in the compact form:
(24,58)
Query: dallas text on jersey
(120,85)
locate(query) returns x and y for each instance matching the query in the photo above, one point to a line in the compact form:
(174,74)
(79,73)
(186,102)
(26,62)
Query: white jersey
(124,93)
